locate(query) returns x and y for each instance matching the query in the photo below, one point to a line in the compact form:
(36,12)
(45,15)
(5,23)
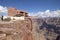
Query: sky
(33,7)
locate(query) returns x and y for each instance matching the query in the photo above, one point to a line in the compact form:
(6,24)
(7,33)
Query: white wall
(16,18)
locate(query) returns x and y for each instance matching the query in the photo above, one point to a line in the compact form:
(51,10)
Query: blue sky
(32,5)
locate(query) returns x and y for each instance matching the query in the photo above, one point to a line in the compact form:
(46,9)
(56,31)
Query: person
(2,18)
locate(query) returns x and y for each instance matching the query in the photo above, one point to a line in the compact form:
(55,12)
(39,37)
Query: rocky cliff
(16,30)
(47,28)
(31,29)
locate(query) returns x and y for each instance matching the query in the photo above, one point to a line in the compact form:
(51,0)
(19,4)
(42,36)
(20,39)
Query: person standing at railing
(2,18)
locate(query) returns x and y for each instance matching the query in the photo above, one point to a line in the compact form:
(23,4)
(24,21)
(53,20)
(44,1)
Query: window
(21,12)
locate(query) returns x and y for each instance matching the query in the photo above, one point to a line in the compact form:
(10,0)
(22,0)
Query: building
(15,12)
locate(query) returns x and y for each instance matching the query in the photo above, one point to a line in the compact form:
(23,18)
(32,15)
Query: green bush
(7,19)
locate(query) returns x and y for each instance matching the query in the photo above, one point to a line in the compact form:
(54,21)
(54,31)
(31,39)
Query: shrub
(7,19)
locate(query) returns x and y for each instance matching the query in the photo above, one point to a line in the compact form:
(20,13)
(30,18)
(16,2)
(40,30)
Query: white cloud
(32,14)
(3,9)
(48,13)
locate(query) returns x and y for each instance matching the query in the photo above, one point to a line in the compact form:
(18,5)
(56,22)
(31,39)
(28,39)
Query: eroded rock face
(31,29)
(47,28)
(17,30)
